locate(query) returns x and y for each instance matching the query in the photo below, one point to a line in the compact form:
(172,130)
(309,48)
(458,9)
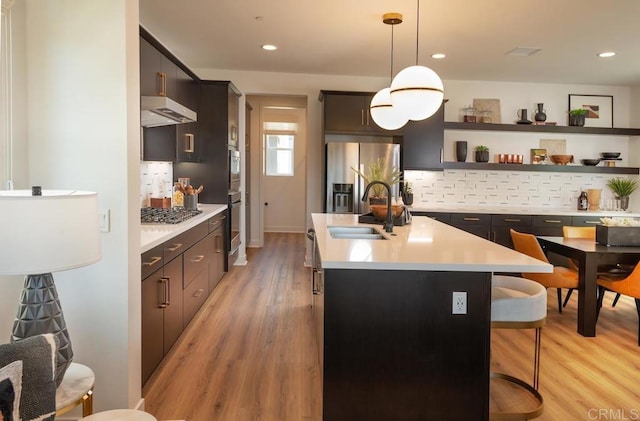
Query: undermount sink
(356,233)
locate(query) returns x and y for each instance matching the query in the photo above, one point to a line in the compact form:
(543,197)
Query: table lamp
(46,231)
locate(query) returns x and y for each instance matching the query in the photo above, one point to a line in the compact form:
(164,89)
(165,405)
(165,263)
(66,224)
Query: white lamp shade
(383,113)
(417,92)
(49,233)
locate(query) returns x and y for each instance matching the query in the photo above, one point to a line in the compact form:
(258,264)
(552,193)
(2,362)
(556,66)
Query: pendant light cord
(391,76)
(417,29)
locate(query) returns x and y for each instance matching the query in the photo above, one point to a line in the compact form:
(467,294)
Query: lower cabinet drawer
(196,260)
(586,221)
(195,295)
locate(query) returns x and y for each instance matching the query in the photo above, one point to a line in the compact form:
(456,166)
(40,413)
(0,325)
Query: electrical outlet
(459,302)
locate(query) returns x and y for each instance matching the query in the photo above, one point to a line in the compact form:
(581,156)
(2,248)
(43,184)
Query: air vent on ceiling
(523,51)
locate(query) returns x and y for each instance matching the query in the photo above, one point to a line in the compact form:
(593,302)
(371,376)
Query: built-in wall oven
(235,203)
(234,169)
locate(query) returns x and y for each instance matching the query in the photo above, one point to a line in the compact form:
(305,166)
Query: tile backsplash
(156,180)
(453,188)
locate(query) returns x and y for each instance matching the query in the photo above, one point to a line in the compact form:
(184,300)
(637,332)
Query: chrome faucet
(388,226)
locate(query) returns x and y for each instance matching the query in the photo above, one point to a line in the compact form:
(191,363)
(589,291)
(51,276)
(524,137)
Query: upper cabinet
(217,119)
(158,74)
(423,142)
(348,113)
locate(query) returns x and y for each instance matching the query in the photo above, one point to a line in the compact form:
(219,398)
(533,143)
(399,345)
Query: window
(279,141)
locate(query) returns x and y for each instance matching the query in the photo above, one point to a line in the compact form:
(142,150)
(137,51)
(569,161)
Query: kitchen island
(390,347)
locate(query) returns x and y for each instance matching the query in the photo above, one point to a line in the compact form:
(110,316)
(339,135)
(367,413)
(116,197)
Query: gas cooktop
(166,215)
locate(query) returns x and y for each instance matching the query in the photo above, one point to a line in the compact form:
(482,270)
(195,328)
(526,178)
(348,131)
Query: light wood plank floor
(250,353)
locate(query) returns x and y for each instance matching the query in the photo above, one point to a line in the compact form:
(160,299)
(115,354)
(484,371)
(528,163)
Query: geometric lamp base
(40,312)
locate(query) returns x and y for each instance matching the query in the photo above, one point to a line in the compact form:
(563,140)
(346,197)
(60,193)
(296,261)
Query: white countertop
(425,244)
(152,235)
(525,211)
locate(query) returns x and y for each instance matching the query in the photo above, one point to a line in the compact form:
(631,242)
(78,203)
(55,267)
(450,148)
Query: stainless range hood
(163,111)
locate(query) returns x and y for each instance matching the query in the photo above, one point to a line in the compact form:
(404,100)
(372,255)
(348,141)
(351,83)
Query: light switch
(104,220)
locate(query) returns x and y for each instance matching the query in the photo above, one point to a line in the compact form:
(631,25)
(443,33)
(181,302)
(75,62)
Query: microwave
(234,170)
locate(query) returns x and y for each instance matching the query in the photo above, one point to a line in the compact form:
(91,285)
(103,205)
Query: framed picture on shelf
(599,109)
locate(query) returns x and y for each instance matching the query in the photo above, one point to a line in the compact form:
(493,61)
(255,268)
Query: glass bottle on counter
(583,201)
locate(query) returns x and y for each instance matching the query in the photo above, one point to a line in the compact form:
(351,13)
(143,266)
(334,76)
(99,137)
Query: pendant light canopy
(383,113)
(417,91)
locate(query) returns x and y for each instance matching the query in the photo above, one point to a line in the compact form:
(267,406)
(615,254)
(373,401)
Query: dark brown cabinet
(477,224)
(177,278)
(423,143)
(215,115)
(162,318)
(217,250)
(348,112)
(158,74)
(501,226)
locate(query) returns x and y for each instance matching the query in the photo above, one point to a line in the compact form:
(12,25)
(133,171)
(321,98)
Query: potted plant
(577,116)
(482,153)
(378,170)
(622,188)
(407,194)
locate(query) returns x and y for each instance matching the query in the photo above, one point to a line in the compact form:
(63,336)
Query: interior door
(284,194)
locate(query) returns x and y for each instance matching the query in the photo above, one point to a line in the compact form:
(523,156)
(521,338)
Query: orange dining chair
(629,286)
(561,277)
(590,234)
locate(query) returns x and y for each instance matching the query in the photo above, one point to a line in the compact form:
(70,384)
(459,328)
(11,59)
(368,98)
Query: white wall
(82,116)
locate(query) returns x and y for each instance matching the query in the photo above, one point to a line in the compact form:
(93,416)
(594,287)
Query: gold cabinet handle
(163,84)
(162,295)
(552,221)
(512,220)
(198,293)
(175,247)
(471,219)
(190,142)
(234,132)
(152,262)
(197,259)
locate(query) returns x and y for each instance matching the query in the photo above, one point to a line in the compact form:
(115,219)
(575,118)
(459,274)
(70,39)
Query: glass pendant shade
(417,92)
(383,113)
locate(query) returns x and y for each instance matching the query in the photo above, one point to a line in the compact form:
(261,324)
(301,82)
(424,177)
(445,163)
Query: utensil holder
(191,201)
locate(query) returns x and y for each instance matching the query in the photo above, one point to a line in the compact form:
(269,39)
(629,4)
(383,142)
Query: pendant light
(417,91)
(382,112)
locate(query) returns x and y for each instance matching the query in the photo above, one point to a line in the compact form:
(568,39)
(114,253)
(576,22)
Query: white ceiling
(347,37)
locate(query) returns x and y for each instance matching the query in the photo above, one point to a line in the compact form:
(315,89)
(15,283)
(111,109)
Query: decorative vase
(540,116)
(576,120)
(407,198)
(482,156)
(624,202)
(461,150)
(522,114)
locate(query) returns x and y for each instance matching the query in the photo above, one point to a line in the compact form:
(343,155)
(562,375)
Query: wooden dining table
(589,256)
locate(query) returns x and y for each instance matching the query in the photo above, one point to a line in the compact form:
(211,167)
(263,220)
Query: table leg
(87,404)
(587,294)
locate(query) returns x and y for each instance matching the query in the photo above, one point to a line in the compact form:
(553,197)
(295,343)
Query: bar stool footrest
(518,416)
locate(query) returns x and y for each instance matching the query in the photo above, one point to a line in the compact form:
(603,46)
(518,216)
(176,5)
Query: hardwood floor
(250,353)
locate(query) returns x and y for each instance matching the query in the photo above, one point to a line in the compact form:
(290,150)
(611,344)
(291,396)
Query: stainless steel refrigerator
(344,187)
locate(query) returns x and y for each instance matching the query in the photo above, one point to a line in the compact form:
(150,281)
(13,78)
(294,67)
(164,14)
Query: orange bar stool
(518,303)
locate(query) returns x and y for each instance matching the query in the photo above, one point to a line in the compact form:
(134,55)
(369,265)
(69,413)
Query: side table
(121,415)
(76,388)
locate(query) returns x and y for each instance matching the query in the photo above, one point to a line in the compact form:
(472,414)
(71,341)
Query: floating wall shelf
(542,168)
(532,128)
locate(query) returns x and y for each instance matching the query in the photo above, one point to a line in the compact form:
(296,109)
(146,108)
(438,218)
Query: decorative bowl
(591,162)
(562,159)
(610,155)
(380,211)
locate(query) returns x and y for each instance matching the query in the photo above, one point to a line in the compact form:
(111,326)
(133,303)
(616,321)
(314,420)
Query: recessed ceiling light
(607,54)
(438,55)
(269,47)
